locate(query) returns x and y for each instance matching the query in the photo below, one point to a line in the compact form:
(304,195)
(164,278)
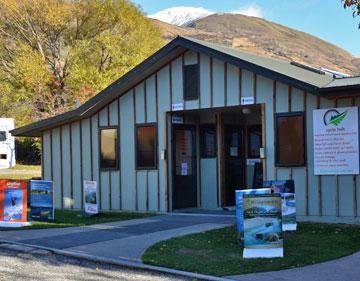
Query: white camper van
(7,143)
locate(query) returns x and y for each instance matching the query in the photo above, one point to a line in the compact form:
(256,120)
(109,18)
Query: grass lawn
(26,167)
(21,172)
(217,253)
(68,218)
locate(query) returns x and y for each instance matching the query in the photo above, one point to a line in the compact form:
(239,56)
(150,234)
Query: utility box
(7,143)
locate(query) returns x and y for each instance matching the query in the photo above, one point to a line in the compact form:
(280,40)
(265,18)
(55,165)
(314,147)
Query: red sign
(13,200)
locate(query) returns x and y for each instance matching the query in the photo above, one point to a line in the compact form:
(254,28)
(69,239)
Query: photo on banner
(288,201)
(13,202)
(239,207)
(263,237)
(41,200)
(90,197)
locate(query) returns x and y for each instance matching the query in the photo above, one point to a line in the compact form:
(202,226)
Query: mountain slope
(263,37)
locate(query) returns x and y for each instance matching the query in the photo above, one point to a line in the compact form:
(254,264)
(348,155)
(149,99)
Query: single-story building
(190,125)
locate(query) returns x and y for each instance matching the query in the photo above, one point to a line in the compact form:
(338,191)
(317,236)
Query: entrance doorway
(234,163)
(184,168)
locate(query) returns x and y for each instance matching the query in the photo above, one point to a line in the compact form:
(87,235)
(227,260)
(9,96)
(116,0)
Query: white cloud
(251,10)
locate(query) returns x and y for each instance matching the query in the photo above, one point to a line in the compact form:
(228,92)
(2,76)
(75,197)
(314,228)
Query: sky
(326,19)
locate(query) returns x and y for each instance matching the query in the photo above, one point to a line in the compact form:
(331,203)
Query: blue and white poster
(288,203)
(239,207)
(41,200)
(263,236)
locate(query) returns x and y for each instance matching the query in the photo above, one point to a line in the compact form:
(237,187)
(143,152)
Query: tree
(354,5)
(55,52)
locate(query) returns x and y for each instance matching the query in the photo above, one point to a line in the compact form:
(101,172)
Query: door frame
(194,127)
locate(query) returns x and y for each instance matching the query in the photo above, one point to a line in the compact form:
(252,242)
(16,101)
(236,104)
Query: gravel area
(16,265)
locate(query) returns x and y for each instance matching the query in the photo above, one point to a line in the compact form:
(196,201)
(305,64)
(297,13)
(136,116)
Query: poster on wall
(336,141)
(91,197)
(263,236)
(239,208)
(41,200)
(286,188)
(13,203)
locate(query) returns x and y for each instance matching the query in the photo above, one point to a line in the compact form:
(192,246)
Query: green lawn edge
(217,252)
(71,218)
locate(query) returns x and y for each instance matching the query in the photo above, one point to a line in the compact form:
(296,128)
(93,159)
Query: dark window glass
(208,142)
(191,81)
(254,141)
(290,139)
(2,136)
(146,146)
(3,156)
(109,148)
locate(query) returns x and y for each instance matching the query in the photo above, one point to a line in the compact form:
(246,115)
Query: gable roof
(282,71)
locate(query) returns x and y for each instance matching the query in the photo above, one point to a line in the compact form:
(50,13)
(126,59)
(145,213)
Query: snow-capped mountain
(181,16)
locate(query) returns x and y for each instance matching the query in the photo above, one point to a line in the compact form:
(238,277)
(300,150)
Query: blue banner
(41,200)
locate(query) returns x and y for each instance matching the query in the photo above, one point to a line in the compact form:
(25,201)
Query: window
(290,139)
(208,141)
(254,141)
(191,81)
(109,148)
(2,136)
(3,156)
(146,147)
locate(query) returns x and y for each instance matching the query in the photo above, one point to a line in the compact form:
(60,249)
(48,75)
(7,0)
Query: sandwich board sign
(239,207)
(91,198)
(13,203)
(263,236)
(286,188)
(41,200)
(336,141)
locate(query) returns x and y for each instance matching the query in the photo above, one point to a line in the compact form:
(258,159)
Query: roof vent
(307,67)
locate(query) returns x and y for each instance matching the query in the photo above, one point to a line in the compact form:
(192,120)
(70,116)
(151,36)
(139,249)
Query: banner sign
(13,201)
(91,197)
(336,141)
(262,226)
(239,207)
(288,203)
(41,200)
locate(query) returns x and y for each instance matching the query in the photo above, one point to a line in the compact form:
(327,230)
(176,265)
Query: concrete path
(126,240)
(344,269)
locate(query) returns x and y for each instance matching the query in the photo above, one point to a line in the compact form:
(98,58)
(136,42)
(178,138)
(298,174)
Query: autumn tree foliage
(55,52)
(354,5)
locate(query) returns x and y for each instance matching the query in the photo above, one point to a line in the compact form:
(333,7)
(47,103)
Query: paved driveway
(119,240)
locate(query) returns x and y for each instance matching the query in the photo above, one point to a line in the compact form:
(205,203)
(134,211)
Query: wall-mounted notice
(262,226)
(177,106)
(13,203)
(41,200)
(336,141)
(91,198)
(247,100)
(177,119)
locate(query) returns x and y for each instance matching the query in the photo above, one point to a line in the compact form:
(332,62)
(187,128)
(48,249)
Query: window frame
(117,153)
(198,81)
(290,114)
(140,125)
(202,146)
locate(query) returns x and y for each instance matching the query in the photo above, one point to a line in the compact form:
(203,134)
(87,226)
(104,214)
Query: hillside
(263,37)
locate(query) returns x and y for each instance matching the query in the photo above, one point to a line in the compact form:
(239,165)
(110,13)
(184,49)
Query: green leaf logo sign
(334,117)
